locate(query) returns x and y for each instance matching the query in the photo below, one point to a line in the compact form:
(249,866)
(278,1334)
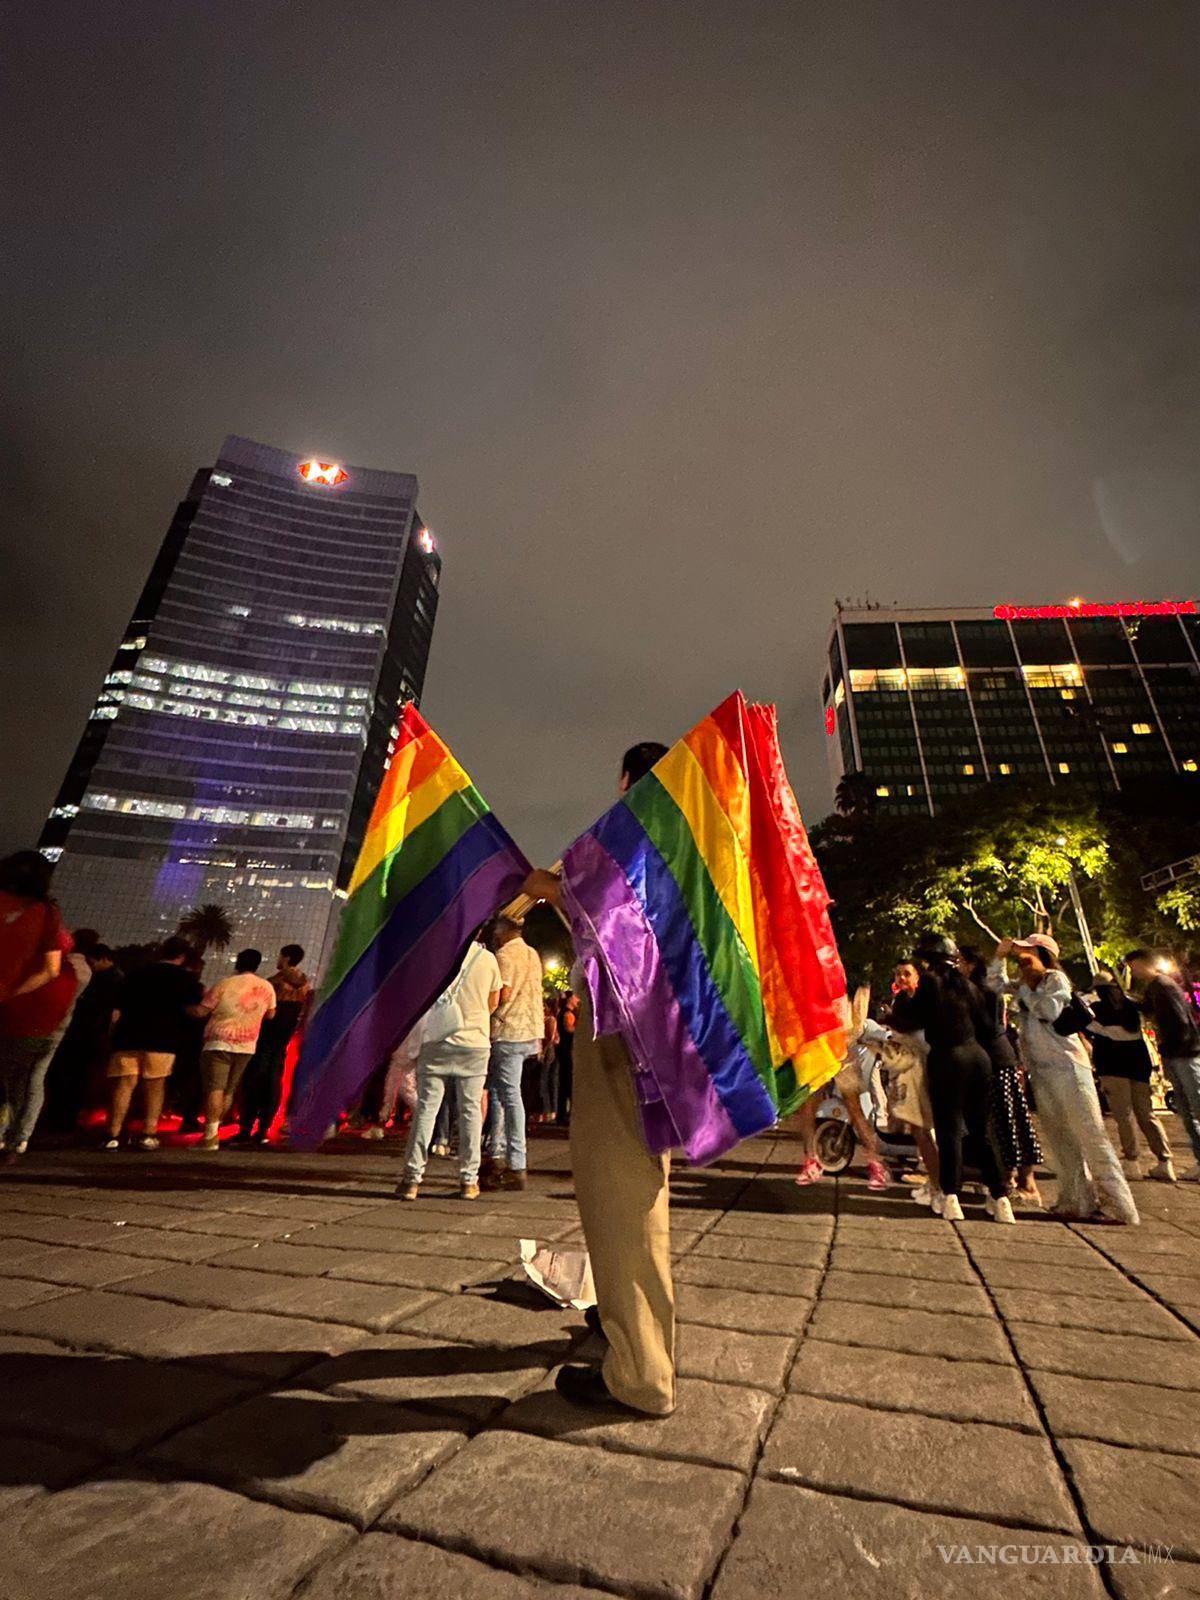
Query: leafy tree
(999,863)
(207,925)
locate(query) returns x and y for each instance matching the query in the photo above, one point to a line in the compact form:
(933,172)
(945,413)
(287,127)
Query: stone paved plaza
(245,1377)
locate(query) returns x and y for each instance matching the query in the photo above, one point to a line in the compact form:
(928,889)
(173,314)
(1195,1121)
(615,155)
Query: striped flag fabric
(701,915)
(434,865)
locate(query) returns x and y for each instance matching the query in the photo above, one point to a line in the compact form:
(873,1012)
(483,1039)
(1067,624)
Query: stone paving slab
(467,1379)
(793,1542)
(106,1404)
(57,1230)
(913,1229)
(1124,1312)
(383,1566)
(757,1277)
(1099,1282)
(576,1514)
(342,1455)
(239,1225)
(15,1293)
(741,1310)
(1170,1287)
(871,1289)
(929,1463)
(368,1306)
(758,1359)
(1107,1355)
(802,1252)
(919,1332)
(82,1269)
(165,1244)
(922,1265)
(757,1225)
(965,1391)
(1138,1497)
(140,1540)
(1156,1580)
(29,1468)
(242,1342)
(1139,1414)
(510,1316)
(716,1424)
(1061,1248)
(354,1237)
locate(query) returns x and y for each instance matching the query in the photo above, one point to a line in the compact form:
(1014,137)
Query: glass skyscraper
(930,704)
(234,750)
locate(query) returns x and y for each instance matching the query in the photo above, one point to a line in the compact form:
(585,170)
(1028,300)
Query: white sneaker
(951,1208)
(439,1150)
(937,1201)
(211,1141)
(373,1133)
(1163,1171)
(112,1144)
(1002,1210)
(148,1143)
(924,1195)
(1132,1169)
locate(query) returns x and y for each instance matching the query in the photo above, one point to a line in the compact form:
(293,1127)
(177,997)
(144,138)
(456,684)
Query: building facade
(928,704)
(234,750)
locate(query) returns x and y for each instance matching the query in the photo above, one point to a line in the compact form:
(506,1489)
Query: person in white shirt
(236,1008)
(455,1044)
(517,1028)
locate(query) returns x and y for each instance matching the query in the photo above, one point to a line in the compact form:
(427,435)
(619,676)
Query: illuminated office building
(929,704)
(235,747)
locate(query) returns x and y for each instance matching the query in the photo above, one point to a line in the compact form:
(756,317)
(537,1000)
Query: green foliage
(556,982)
(999,863)
(207,925)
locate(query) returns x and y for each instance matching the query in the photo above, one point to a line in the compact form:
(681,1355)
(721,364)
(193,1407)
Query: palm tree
(207,925)
(855,795)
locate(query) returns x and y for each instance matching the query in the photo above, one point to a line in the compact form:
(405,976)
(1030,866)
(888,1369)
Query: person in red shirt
(37,990)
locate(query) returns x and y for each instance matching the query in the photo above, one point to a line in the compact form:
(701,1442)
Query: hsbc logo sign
(323,474)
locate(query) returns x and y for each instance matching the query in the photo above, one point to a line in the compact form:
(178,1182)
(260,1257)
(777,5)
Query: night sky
(688,317)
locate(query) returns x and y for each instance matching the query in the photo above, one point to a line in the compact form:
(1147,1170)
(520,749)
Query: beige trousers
(1128,1101)
(624,1200)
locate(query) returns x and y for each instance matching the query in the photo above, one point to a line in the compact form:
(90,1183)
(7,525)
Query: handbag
(445,1017)
(1075,1017)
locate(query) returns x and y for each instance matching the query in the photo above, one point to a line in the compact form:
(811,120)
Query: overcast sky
(687,316)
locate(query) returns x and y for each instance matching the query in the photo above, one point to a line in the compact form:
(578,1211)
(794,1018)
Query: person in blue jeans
(517,1027)
(1177,1026)
(454,1049)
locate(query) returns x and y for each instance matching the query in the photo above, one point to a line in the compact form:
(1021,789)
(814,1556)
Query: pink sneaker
(810,1172)
(878,1176)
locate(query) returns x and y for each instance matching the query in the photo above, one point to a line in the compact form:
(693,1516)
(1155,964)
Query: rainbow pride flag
(434,864)
(700,913)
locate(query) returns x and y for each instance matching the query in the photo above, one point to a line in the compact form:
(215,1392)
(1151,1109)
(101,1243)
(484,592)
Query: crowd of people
(990,1068)
(967,1049)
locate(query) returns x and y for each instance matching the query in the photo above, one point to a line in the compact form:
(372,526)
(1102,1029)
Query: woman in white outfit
(1091,1185)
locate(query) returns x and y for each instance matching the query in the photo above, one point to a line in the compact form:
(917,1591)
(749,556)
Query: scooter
(836,1140)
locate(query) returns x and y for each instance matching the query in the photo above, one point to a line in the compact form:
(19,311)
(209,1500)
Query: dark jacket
(1118,1049)
(1174,1017)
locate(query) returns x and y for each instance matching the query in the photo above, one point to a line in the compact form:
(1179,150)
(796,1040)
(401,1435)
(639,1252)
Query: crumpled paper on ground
(564,1276)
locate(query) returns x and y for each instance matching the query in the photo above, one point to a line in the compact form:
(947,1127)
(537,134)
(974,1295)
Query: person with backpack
(1052,1020)
(1172,1009)
(1122,1061)
(456,1043)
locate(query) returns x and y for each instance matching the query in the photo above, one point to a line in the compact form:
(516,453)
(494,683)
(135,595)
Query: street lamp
(1085,933)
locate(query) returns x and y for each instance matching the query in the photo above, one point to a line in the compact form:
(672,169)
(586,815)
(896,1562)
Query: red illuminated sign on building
(830,721)
(1085,608)
(328,473)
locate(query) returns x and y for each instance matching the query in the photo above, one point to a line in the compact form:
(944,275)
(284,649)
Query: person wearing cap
(1091,1185)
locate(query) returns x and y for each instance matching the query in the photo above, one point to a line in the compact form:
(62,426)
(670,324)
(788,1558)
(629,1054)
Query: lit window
(238,611)
(220,479)
(1064,767)
(1067,694)
(883,791)
(1190,766)
(1142,728)
(968,769)
(103,714)
(839,694)
(218,814)
(154,664)
(119,677)
(52,851)
(65,811)
(1120,749)
(1060,675)
(134,644)
(135,805)
(1005,770)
